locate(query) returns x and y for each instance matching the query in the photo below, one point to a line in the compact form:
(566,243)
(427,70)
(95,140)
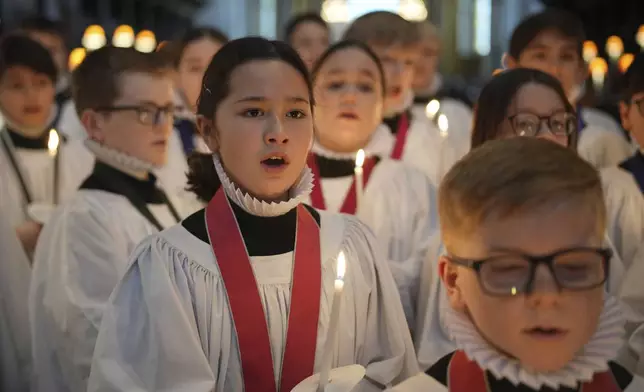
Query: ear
(206,128)
(93,124)
(624,110)
(510,62)
(449,274)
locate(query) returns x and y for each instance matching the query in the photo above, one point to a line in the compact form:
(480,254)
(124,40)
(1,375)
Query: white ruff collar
(119,160)
(380,144)
(593,358)
(297,195)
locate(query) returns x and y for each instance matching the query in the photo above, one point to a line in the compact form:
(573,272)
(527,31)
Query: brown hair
(383,28)
(96,81)
(512,176)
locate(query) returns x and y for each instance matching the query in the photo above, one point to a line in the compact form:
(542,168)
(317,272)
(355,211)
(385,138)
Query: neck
(30,132)
(340,148)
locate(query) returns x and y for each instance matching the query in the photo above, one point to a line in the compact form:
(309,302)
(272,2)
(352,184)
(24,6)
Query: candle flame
(443,125)
(341,266)
(625,62)
(614,47)
(360,158)
(432,108)
(589,51)
(52,142)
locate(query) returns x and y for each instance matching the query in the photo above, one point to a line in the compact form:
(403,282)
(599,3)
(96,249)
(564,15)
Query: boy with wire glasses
(522,220)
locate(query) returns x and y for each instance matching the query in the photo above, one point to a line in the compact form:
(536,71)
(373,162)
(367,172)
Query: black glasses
(514,273)
(640,105)
(146,114)
(529,124)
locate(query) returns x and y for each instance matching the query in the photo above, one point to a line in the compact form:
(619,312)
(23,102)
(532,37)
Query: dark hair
(383,28)
(633,81)
(295,21)
(20,50)
(497,96)
(348,44)
(196,34)
(96,82)
(44,25)
(202,176)
(562,22)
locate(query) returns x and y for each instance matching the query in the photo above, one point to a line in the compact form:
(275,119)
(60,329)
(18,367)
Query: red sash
(401,137)
(349,204)
(246,306)
(466,376)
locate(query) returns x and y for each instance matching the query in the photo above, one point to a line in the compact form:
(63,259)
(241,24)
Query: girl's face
(192,66)
(537,109)
(263,129)
(26,97)
(310,40)
(349,100)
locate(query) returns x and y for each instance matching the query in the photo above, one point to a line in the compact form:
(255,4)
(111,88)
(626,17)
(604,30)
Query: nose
(349,93)
(274,133)
(545,291)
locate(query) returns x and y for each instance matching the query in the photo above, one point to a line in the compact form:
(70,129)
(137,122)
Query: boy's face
(552,53)
(632,114)
(130,127)
(26,97)
(398,62)
(545,329)
(55,45)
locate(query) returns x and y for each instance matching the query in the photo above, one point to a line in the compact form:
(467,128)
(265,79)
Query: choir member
(309,35)
(523,223)
(632,114)
(239,295)
(125,102)
(396,200)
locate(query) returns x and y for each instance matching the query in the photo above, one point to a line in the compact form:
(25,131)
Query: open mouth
(275,162)
(545,332)
(348,115)
(32,110)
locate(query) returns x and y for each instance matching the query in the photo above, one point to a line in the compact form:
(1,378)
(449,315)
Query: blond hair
(427,31)
(506,177)
(383,28)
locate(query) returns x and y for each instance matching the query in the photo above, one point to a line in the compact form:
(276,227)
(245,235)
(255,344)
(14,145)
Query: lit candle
(443,131)
(332,332)
(52,145)
(359,178)
(432,109)
(614,47)
(598,70)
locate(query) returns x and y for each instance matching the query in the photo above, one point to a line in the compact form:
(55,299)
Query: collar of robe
(593,358)
(145,189)
(380,144)
(17,133)
(298,194)
(122,161)
(393,123)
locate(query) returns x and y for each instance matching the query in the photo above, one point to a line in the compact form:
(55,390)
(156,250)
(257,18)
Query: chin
(158,161)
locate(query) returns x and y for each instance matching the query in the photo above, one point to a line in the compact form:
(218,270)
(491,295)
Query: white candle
(359,178)
(52,145)
(332,332)
(443,129)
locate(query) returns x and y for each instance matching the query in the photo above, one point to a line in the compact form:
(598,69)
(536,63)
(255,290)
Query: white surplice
(169,327)
(624,234)
(603,148)
(82,253)
(399,205)
(15,275)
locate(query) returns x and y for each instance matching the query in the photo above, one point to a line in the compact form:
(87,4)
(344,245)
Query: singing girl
(395,200)
(530,103)
(239,295)
(309,35)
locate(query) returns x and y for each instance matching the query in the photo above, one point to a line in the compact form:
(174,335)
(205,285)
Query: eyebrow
(295,99)
(530,111)
(363,71)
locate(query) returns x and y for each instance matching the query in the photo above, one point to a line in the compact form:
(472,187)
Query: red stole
(246,306)
(466,376)
(401,137)
(349,204)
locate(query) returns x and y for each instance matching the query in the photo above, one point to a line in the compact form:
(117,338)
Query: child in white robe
(83,249)
(529,103)
(632,113)
(226,301)
(396,200)
(309,35)
(523,221)
(419,141)
(32,155)
(551,41)
(15,275)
